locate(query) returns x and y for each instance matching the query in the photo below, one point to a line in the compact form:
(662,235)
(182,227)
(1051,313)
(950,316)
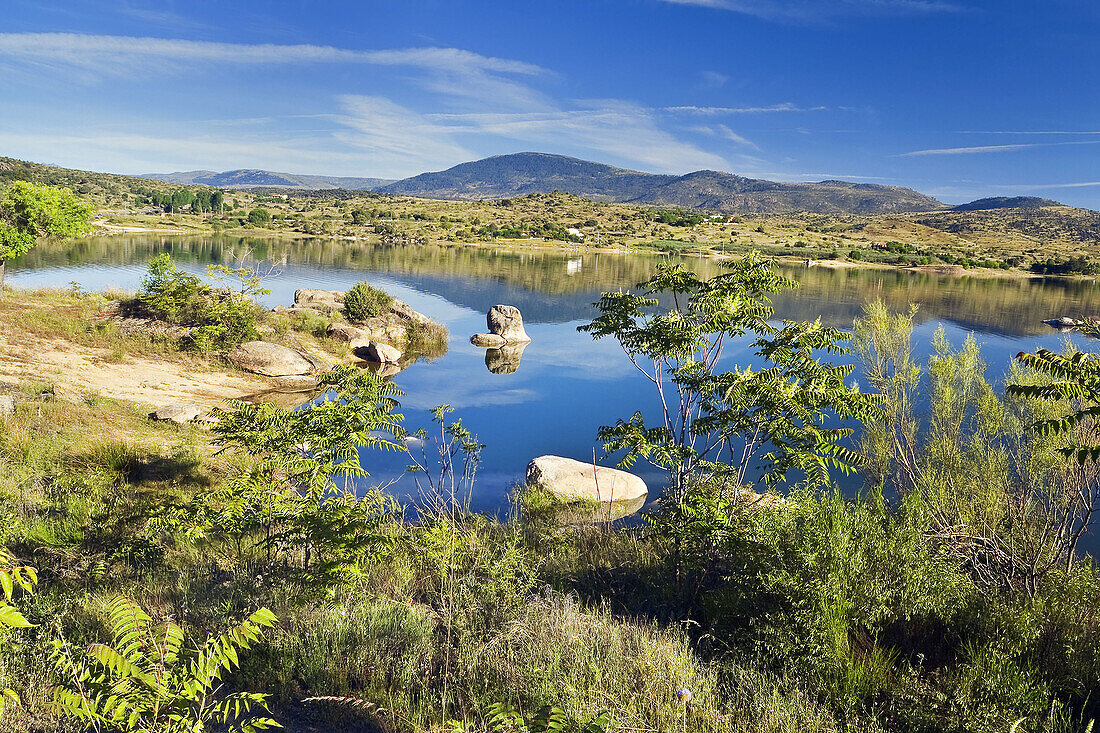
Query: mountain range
(254,178)
(519,174)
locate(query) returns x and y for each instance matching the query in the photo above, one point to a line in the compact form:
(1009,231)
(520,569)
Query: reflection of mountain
(1006,306)
(552,287)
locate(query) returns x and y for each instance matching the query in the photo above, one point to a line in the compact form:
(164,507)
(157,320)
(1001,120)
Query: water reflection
(550,287)
(504,360)
(551,395)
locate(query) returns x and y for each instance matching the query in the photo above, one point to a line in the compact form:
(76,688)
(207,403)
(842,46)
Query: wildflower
(683,694)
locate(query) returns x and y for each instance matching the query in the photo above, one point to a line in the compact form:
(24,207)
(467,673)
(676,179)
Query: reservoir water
(566,385)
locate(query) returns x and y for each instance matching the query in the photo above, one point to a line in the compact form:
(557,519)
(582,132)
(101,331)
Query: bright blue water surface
(567,385)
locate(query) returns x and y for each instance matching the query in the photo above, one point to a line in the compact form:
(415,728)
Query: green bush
(220,319)
(259,217)
(364,301)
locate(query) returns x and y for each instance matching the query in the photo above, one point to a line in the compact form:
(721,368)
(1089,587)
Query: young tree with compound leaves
(729,421)
(29,212)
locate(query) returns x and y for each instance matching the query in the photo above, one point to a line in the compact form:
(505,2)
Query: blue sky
(956,98)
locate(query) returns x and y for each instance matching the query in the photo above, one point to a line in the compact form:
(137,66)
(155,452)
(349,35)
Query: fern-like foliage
(13,575)
(147,682)
(770,420)
(296,503)
(1077,382)
(550,719)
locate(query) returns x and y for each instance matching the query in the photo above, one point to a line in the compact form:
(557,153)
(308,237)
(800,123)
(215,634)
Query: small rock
(309,296)
(405,312)
(176,413)
(347,334)
(7,404)
(378,352)
(1063,322)
(487,340)
(272,360)
(506,321)
(571,480)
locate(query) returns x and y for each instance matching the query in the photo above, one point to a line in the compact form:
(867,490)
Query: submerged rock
(272,360)
(571,480)
(487,340)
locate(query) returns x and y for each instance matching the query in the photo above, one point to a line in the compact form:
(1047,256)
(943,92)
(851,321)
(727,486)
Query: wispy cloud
(1028,132)
(1044,186)
(805,10)
(451,71)
(394,138)
(719,111)
(980,149)
(89,50)
(713,79)
(379,135)
(613,127)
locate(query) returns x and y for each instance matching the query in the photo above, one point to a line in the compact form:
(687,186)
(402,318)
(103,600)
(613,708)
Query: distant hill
(519,174)
(250,177)
(1007,202)
(717,191)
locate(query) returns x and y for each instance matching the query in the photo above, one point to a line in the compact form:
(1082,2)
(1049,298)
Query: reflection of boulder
(504,360)
(385,371)
(590,512)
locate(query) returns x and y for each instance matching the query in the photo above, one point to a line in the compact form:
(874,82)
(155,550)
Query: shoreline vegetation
(1040,240)
(239,570)
(934,610)
(773,240)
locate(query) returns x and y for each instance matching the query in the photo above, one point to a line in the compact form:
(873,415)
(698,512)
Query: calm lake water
(567,385)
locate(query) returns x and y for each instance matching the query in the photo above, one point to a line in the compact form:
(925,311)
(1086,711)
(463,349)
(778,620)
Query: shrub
(259,217)
(219,318)
(428,339)
(364,301)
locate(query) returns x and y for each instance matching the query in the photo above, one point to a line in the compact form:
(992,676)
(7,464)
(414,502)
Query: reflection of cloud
(459,394)
(559,346)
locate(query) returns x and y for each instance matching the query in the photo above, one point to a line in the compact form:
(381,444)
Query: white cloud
(621,129)
(451,71)
(713,79)
(717,111)
(396,139)
(368,134)
(978,149)
(802,10)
